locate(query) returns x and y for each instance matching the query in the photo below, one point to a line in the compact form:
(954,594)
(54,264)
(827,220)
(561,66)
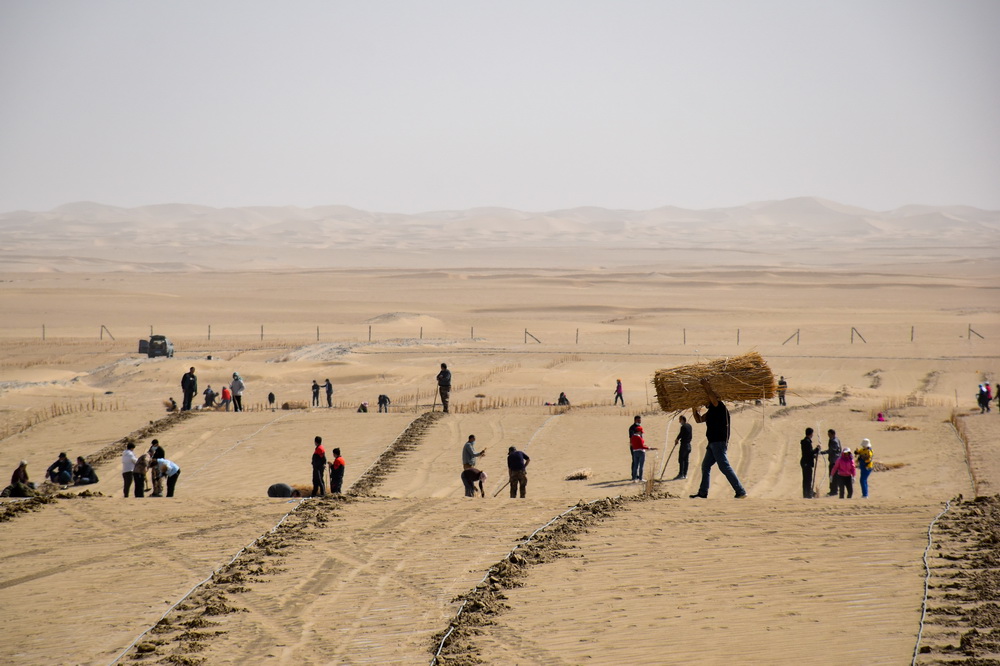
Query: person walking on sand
(470,477)
(469,454)
(843,474)
(237,388)
(128,466)
(337,472)
(637,444)
(618,392)
(444,386)
(319,468)
(315,390)
(865,461)
(329,393)
(189,385)
(683,438)
(808,463)
(833,450)
(716,420)
(782,388)
(517,468)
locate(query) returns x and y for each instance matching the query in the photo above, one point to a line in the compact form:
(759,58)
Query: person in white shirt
(128,466)
(171,471)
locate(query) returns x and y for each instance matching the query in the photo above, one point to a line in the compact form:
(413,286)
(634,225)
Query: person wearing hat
(237,388)
(843,474)
(865,457)
(363,408)
(61,471)
(20,486)
(470,477)
(517,467)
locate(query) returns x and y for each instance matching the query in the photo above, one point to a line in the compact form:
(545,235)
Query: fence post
(685,336)
(317,334)
(421,332)
(43,331)
(630,335)
(737,337)
(912,328)
(577,336)
(472,332)
(262,331)
(209,331)
(369,332)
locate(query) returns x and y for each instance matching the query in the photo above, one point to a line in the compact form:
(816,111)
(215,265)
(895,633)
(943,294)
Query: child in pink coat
(843,474)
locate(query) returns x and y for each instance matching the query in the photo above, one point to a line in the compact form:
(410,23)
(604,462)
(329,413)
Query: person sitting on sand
(282,490)
(61,471)
(470,477)
(363,408)
(20,486)
(880,418)
(171,405)
(563,400)
(83,473)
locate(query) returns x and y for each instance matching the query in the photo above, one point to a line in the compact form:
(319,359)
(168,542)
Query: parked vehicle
(158,345)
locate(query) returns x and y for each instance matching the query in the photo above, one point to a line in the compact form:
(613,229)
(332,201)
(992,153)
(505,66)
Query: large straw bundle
(745,377)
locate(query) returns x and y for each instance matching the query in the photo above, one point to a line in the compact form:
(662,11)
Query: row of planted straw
(736,378)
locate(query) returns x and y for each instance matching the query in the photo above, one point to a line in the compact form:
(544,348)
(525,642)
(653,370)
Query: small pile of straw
(737,378)
(294,404)
(580,474)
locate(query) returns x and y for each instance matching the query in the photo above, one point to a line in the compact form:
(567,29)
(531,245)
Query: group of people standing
(984,397)
(231,394)
(842,465)
(517,470)
(321,466)
(154,461)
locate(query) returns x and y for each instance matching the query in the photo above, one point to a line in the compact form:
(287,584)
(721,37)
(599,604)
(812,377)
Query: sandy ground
(772,579)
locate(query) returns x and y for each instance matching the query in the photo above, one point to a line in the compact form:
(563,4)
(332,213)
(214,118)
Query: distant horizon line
(759,202)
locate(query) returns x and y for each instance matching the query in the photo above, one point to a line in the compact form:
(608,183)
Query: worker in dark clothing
(517,467)
(189,384)
(282,490)
(83,473)
(717,427)
(336,472)
(684,439)
(782,389)
(61,471)
(808,463)
(315,389)
(319,468)
(444,386)
(470,477)
(383,403)
(833,450)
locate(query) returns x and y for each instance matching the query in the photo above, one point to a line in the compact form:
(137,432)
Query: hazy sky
(411,106)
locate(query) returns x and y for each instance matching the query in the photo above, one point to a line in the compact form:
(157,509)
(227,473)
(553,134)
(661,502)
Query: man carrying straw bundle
(716,420)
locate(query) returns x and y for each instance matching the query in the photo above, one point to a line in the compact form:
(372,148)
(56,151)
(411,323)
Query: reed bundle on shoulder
(736,378)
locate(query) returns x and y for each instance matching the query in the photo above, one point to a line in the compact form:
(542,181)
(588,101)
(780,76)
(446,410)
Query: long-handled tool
(815,488)
(666,438)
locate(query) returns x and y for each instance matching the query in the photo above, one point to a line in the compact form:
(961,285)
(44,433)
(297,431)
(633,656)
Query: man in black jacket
(808,463)
(684,439)
(189,384)
(444,386)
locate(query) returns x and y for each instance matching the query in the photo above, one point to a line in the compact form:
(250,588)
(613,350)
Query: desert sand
(379,575)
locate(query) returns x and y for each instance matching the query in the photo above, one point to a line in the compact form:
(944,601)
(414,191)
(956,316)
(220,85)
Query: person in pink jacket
(843,473)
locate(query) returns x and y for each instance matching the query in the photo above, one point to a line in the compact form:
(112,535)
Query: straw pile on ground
(737,378)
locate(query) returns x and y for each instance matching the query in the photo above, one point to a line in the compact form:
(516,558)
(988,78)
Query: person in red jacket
(639,448)
(336,472)
(843,474)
